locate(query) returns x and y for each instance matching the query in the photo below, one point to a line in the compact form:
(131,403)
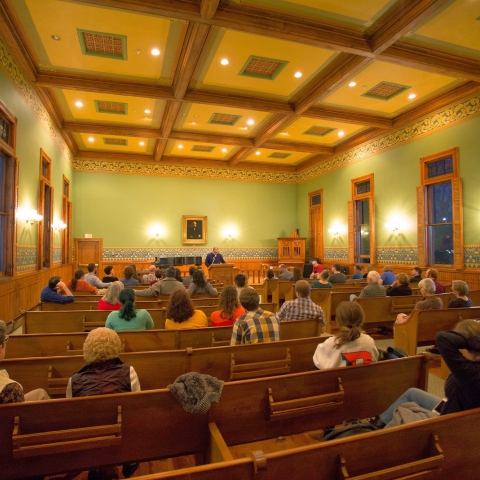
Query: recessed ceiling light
(285,133)
(137,52)
(91,139)
(147,111)
(352,84)
(341,133)
(184,114)
(224,150)
(244,128)
(55,37)
(195,116)
(142,143)
(155,51)
(180,146)
(257,152)
(298,74)
(79,104)
(194,123)
(250,122)
(412,95)
(224,61)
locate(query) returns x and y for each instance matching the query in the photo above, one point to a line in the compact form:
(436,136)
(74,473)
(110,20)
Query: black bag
(349,430)
(391,353)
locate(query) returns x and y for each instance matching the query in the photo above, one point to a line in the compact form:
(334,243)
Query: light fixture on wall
(58,225)
(157,231)
(335,230)
(30,216)
(230,232)
(396,223)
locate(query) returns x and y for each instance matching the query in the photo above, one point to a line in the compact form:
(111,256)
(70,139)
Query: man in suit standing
(214,257)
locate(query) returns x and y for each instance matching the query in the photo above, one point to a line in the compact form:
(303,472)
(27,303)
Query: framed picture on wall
(194,229)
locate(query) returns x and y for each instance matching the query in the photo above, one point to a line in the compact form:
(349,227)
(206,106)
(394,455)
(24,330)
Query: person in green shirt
(128,317)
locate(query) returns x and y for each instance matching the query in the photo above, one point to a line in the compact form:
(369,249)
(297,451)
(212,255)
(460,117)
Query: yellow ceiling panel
(200,150)
(143,33)
(457,24)
(111,108)
(196,117)
(114,143)
(238,47)
(323,132)
(266,155)
(420,83)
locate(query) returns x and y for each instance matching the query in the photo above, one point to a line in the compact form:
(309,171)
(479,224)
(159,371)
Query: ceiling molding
(111,129)
(276,124)
(298,147)
(114,156)
(159,149)
(239,156)
(349,116)
(312,162)
(212,138)
(208,8)
(169,116)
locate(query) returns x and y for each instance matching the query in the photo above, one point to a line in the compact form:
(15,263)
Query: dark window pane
(362,212)
(4,129)
(441,244)
(316,200)
(362,187)
(2,185)
(440,203)
(44,169)
(440,167)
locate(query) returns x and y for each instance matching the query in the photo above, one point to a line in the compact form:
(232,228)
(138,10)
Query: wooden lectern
(221,272)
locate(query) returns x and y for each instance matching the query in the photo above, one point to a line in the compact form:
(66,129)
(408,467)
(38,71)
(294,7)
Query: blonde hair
(402,278)
(469,328)
(351,316)
(102,344)
(113,293)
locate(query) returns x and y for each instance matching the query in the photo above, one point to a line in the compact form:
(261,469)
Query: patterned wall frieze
(27,257)
(149,253)
(33,102)
(57,255)
(471,256)
(336,253)
(397,255)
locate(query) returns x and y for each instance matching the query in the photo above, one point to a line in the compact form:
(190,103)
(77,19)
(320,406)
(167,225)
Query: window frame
(315,232)
(43,184)
(67,207)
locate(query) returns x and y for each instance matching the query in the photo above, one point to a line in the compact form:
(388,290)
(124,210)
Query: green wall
(122,208)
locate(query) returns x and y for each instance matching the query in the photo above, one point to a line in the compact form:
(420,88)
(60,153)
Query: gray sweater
(163,287)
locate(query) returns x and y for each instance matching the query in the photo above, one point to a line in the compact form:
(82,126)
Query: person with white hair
(373,288)
(147,278)
(426,288)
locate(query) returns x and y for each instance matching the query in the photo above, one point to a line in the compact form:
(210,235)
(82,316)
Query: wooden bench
(44,438)
(329,304)
(422,325)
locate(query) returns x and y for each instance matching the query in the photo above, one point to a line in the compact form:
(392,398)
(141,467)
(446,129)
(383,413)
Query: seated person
(109,275)
(357,274)
(297,275)
(78,284)
(416,275)
(241,282)
(317,268)
(322,280)
(349,346)
(230,308)
(92,278)
(178,275)
(10,390)
(430,301)
(370,268)
(51,293)
(387,277)
(399,287)
(284,273)
(128,318)
(159,275)
(181,314)
(148,277)
(373,288)
(337,276)
(110,300)
(270,276)
(432,273)
(128,280)
(460,290)
(257,325)
(165,286)
(200,285)
(187,279)
(460,350)
(301,307)
(135,274)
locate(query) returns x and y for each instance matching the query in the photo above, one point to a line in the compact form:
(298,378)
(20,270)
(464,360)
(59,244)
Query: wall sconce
(334,231)
(157,231)
(230,232)
(59,225)
(30,216)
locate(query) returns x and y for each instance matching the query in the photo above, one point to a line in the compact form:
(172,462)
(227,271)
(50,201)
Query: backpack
(391,353)
(349,429)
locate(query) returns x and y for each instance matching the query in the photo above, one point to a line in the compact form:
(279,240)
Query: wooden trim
(351,233)
(298,147)
(424,161)
(364,178)
(109,129)
(312,161)
(212,138)
(276,124)
(159,149)
(421,225)
(239,156)
(11,196)
(316,237)
(373,242)
(208,8)
(46,158)
(114,156)
(339,115)
(457,211)
(169,117)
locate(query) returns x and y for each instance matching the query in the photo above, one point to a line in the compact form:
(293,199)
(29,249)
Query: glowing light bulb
(224,61)
(352,84)
(155,51)
(79,104)
(298,74)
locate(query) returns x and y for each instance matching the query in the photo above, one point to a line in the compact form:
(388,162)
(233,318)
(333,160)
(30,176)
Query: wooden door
(88,250)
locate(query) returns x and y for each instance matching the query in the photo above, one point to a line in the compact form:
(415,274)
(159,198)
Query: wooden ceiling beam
(114,156)
(276,125)
(109,129)
(348,116)
(298,147)
(339,70)
(239,156)
(212,138)
(311,162)
(159,149)
(208,8)
(398,21)
(169,118)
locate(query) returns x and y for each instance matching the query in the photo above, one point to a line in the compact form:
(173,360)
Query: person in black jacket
(460,349)
(399,287)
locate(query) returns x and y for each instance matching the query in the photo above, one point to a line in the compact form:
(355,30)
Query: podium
(221,272)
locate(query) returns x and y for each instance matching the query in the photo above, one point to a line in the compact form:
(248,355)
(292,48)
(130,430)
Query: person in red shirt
(317,268)
(110,300)
(230,308)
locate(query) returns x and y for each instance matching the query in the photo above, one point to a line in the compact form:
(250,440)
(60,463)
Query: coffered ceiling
(258,84)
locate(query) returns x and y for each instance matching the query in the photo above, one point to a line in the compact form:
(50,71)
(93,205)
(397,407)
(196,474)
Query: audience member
(241,282)
(317,268)
(270,276)
(163,287)
(10,390)
(416,275)
(150,276)
(159,275)
(432,273)
(284,273)
(109,275)
(181,314)
(128,279)
(78,284)
(460,349)
(257,325)
(297,275)
(135,274)
(178,275)
(373,288)
(399,287)
(357,274)
(387,277)
(337,276)
(322,280)
(214,257)
(110,300)
(128,317)
(460,290)
(51,293)
(187,279)
(370,268)
(92,278)
(200,285)
(349,346)
(430,301)
(230,308)
(301,307)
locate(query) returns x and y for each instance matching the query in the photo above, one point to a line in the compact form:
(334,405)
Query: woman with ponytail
(78,284)
(350,346)
(128,318)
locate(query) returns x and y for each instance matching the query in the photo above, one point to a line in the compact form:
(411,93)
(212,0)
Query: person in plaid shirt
(257,325)
(302,307)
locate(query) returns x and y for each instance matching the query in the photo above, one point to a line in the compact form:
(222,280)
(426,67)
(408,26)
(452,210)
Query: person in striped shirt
(257,325)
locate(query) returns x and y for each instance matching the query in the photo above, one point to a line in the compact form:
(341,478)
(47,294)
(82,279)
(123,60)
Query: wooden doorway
(88,250)
(315,224)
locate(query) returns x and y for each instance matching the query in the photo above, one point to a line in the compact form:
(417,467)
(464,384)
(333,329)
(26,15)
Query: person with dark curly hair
(181,314)
(128,317)
(200,285)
